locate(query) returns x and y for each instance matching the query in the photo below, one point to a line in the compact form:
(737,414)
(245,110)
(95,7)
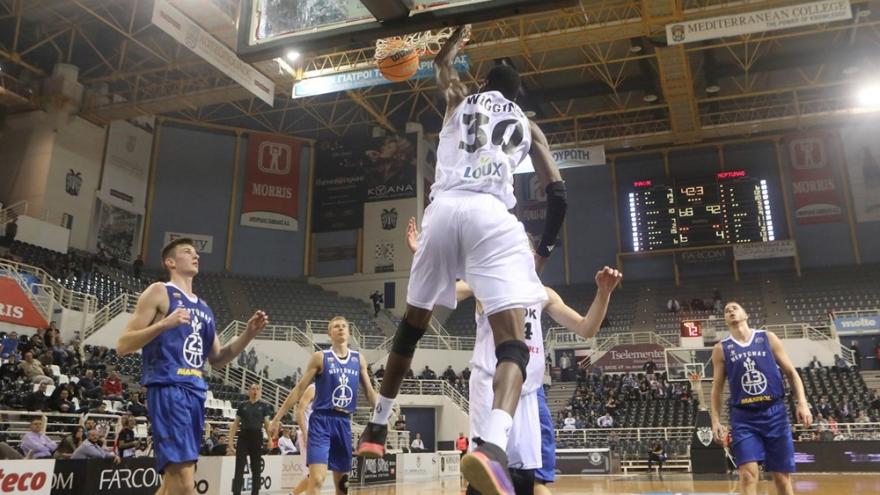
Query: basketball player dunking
(751,361)
(176,331)
(531,453)
(336,373)
(469,233)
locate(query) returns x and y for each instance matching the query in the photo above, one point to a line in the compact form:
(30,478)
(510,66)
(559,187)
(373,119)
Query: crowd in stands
(696,304)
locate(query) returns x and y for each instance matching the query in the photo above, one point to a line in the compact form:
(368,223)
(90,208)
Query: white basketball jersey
(482,143)
(484,348)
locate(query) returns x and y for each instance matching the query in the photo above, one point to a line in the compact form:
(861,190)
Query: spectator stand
(631,445)
(56,426)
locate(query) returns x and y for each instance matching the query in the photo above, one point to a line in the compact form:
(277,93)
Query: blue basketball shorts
(330,441)
(763,435)
(177,418)
(547,472)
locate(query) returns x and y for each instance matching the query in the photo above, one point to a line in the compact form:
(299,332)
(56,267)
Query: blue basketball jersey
(177,356)
(336,387)
(752,373)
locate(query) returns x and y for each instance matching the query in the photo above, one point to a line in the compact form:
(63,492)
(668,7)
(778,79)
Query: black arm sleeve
(556,208)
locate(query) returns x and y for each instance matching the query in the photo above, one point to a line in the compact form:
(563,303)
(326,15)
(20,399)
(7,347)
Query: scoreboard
(729,209)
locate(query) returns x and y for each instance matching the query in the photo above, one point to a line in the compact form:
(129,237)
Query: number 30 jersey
(485,139)
(484,348)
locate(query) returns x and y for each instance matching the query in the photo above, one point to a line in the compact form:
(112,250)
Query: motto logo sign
(32,477)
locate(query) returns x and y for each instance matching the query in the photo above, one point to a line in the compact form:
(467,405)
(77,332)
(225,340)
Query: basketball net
(697,389)
(421,43)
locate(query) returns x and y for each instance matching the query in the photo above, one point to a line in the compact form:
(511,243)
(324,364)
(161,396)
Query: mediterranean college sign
(790,16)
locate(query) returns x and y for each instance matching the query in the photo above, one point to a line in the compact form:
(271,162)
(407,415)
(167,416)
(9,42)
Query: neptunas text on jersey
(485,101)
(735,356)
(347,371)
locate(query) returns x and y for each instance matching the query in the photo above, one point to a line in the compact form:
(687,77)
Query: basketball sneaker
(486,469)
(371,445)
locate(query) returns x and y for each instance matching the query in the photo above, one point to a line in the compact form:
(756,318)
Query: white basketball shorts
(472,236)
(524,445)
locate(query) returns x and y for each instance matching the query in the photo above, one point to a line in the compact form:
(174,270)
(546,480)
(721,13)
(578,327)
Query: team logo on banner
(677,33)
(389,218)
(704,435)
(73,182)
(814,186)
(271,186)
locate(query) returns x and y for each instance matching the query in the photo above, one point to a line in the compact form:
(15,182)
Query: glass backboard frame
(435,14)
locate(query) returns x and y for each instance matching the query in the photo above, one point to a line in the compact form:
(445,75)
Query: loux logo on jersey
(486,169)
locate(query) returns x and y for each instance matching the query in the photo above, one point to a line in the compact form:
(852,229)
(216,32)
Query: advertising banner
(848,456)
(27,477)
(270,196)
(583,461)
(16,307)
(758,21)
(449,464)
(765,250)
(385,248)
(375,471)
(587,156)
(857,325)
(204,244)
(117,229)
(338,191)
(631,358)
(703,256)
(862,151)
(418,467)
(293,469)
(814,188)
(390,167)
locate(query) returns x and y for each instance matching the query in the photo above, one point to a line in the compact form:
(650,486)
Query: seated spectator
(9,345)
(417,444)
(61,403)
(95,361)
(92,448)
(673,306)
(222,447)
(69,443)
(410,375)
(33,370)
(658,455)
(840,363)
(569,423)
(89,387)
(605,421)
(428,374)
(112,387)
(466,374)
(35,444)
(38,399)
(400,424)
(285,443)
(135,405)
(380,372)
(59,352)
(10,370)
(89,426)
(832,425)
(862,417)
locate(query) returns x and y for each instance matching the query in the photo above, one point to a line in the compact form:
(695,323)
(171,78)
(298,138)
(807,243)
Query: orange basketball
(400,66)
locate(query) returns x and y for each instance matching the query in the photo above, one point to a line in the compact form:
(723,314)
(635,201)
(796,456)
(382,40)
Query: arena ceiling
(600,72)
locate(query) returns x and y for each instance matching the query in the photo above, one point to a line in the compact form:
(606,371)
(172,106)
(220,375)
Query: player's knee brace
(513,351)
(343,483)
(406,338)
(523,481)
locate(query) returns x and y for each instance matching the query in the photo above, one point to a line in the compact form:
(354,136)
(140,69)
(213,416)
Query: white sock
(499,428)
(382,411)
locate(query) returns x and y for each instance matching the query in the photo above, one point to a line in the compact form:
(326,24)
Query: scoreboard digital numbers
(732,209)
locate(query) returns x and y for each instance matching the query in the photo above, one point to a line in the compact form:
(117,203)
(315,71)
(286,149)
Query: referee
(251,418)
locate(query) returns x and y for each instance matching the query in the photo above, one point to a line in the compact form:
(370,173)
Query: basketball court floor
(643,484)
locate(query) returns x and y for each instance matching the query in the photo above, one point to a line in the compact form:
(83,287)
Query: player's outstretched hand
(607,279)
(257,322)
(720,432)
(804,416)
(179,316)
(412,235)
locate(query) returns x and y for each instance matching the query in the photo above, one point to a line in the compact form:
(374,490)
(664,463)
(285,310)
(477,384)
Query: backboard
(269,28)
(682,362)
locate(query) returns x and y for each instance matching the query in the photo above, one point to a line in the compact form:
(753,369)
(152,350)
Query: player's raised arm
(447,77)
(549,178)
(804,416)
(719,378)
(316,363)
(607,279)
(221,355)
(141,329)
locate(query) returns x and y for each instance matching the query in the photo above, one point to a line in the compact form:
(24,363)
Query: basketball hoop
(426,42)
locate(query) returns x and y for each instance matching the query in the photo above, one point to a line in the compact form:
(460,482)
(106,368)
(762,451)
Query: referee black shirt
(252,415)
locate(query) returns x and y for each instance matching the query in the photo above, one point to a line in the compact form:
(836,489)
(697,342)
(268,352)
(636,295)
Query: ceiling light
(869,95)
(713,88)
(635,48)
(530,114)
(292,55)
(649,98)
(851,69)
